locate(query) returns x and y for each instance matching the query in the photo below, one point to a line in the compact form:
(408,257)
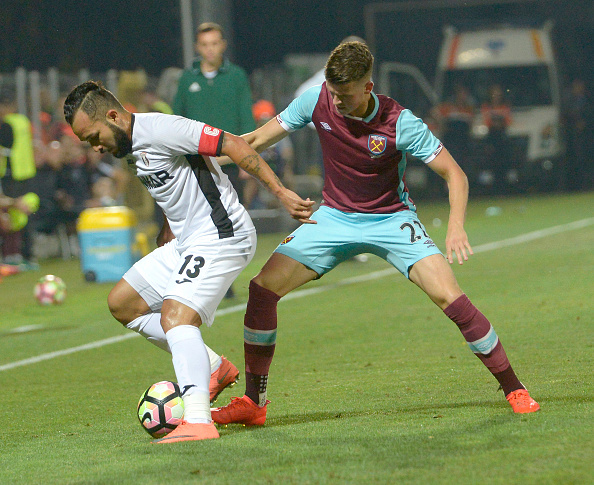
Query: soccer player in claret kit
(169,293)
(366,208)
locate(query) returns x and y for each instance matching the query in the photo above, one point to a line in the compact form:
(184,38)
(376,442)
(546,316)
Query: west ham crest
(377,145)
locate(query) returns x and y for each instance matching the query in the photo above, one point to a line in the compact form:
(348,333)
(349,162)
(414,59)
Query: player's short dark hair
(92,98)
(209,27)
(349,62)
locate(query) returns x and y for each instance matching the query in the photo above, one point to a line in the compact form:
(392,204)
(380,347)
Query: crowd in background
(69,177)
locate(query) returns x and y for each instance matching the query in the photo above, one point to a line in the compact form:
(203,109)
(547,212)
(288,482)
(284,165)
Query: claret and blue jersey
(364,158)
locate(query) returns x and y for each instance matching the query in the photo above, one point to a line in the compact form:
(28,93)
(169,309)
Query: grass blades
(371,383)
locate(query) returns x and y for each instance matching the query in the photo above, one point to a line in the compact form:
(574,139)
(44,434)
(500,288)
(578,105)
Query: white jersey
(172,156)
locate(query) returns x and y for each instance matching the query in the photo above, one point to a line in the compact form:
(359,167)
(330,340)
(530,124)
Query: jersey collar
(367,119)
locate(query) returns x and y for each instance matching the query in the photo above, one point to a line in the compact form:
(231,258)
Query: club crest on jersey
(209,130)
(144,158)
(287,239)
(377,144)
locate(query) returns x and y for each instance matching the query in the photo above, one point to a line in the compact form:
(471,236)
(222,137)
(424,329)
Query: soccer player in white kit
(169,293)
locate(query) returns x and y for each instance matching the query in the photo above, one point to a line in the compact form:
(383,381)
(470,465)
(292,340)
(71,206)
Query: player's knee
(117,307)
(258,283)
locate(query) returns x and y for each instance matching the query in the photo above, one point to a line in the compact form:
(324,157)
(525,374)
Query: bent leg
(435,277)
(131,310)
(125,303)
(189,357)
(279,276)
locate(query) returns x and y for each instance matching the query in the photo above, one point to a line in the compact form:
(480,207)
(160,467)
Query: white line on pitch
(530,236)
(25,329)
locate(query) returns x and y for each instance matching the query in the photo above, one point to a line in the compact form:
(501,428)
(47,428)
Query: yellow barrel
(111,218)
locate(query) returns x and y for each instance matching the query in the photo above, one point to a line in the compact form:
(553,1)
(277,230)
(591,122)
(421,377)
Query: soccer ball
(50,290)
(161,408)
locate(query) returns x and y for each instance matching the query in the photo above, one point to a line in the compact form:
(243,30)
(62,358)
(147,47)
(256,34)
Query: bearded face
(123,144)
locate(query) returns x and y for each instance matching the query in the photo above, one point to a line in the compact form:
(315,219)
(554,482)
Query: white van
(522,61)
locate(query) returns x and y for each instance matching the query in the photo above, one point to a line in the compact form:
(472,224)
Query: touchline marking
(25,329)
(530,236)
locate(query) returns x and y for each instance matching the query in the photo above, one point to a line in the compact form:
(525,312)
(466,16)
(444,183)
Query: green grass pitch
(371,383)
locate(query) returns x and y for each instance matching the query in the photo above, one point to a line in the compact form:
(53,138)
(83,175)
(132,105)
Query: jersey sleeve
(299,112)
(183,136)
(413,136)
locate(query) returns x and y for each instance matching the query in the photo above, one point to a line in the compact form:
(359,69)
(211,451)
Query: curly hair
(349,62)
(92,98)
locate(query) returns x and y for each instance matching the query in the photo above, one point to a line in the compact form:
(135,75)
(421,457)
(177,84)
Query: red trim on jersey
(211,141)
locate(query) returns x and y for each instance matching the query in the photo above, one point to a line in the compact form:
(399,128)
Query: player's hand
(457,243)
(299,209)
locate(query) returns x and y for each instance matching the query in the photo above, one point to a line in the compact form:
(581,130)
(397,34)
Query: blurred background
(507,85)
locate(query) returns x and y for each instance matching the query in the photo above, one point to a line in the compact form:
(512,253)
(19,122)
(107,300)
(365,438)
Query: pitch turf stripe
(530,236)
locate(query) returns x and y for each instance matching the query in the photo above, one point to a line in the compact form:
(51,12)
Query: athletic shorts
(399,238)
(198,277)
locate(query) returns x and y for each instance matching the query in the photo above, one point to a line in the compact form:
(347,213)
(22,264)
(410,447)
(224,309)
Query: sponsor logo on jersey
(377,144)
(287,239)
(209,130)
(194,87)
(325,125)
(158,179)
(144,158)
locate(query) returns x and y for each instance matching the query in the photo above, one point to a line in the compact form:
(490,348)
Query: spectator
(497,117)
(280,157)
(17,168)
(216,92)
(150,102)
(578,125)
(108,180)
(7,227)
(454,118)
(45,185)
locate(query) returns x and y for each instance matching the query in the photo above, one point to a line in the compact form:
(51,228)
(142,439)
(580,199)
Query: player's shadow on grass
(437,412)
(432,411)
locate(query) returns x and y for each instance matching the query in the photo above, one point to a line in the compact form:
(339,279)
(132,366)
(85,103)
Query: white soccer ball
(50,290)
(161,408)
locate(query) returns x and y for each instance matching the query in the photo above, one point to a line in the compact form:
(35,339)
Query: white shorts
(198,277)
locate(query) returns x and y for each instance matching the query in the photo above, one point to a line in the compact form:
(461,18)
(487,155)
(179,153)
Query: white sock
(192,369)
(215,359)
(149,326)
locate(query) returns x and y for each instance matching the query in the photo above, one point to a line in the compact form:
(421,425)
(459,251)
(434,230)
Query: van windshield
(523,85)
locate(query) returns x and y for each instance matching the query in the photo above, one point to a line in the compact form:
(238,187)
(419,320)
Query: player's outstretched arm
(260,139)
(265,136)
(237,149)
(456,239)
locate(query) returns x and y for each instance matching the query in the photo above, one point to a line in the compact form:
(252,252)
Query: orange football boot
(225,376)
(190,432)
(241,410)
(521,402)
